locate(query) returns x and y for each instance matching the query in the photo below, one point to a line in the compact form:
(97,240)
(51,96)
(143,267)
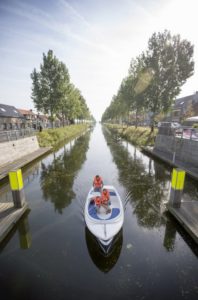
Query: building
(185,107)
(10,118)
(43,120)
(30,118)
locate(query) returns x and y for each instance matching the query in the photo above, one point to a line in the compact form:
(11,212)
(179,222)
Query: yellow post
(16,184)
(177,186)
(178,177)
(16,180)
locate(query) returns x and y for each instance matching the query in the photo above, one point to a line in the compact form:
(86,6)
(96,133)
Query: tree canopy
(54,94)
(155,77)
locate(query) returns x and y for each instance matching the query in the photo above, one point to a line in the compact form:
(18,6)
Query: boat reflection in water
(104,261)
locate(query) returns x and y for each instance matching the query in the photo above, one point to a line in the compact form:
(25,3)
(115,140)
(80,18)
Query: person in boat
(97,183)
(99,201)
(105,197)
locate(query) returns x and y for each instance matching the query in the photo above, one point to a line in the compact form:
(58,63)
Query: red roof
(25,111)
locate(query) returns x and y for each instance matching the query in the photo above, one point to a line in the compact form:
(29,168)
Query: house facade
(185,107)
(29,117)
(10,118)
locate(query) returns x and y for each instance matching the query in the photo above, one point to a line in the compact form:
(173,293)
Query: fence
(11,135)
(182,132)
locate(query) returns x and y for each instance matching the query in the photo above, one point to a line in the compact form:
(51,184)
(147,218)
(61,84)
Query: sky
(96,39)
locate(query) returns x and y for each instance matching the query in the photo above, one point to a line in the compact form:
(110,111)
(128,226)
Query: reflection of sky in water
(99,161)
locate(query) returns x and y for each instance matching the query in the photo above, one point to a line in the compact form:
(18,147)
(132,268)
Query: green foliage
(52,137)
(54,94)
(154,79)
(170,58)
(140,136)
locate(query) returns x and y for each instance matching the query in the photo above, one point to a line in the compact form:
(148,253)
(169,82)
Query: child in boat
(105,196)
(101,201)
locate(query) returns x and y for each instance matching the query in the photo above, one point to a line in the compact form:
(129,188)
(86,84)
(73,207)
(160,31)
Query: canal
(51,255)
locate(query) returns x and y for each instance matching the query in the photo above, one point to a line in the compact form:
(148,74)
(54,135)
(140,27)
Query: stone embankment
(178,152)
(175,151)
(13,150)
(20,152)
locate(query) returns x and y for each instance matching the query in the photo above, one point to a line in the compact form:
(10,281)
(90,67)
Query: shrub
(52,137)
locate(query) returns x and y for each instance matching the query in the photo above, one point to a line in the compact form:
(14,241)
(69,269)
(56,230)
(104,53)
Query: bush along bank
(140,136)
(53,137)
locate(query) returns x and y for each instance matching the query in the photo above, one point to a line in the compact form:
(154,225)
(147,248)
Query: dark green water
(51,255)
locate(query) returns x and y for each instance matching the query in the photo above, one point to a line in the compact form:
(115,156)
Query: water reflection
(172,229)
(144,190)
(169,236)
(147,188)
(57,178)
(24,234)
(103,262)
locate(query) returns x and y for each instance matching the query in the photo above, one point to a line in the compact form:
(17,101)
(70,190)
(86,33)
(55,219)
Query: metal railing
(181,132)
(187,133)
(12,135)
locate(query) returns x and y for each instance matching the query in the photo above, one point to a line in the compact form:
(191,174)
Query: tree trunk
(152,122)
(136,119)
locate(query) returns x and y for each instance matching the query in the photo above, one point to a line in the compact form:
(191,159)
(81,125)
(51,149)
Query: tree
(64,91)
(170,60)
(49,85)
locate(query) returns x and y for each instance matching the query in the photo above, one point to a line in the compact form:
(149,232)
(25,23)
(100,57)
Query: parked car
(173,125)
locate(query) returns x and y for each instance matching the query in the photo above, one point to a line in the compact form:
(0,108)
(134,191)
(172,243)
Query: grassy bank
(140,136)
(52,137)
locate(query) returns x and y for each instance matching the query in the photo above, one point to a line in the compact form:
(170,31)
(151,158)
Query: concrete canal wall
(13,150)
(185,150)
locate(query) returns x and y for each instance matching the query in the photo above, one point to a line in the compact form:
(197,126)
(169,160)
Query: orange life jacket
(97,200)
(97,183)
(105,197)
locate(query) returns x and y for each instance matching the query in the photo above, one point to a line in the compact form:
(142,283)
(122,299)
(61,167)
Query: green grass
(140,136)
(52,137)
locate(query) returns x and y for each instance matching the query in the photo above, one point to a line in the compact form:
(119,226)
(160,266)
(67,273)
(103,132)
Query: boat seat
(93,212)
(110,193)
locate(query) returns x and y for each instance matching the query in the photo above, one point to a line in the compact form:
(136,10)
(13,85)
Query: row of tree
(154,79)
(54,94)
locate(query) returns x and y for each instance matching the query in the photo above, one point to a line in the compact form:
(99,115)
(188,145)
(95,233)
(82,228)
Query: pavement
(23,161)
(190,169)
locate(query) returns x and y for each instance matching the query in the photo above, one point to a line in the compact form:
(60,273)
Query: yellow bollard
(177,186)
(178,177)
(16,184)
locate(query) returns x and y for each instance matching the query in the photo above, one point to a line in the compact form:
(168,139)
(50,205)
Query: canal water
(51,254)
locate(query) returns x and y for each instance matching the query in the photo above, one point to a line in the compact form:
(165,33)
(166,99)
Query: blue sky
(96,39)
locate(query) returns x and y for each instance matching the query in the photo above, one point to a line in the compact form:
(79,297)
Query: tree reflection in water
(103,262)
(146,191)
(58,177)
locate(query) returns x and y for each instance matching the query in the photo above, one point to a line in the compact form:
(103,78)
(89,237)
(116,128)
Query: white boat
(104,226)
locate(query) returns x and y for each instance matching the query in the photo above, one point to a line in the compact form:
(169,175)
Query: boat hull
(104,226)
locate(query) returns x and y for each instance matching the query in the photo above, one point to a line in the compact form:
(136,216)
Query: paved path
(168,158)
(9,216)
(187,215)
(19,163)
